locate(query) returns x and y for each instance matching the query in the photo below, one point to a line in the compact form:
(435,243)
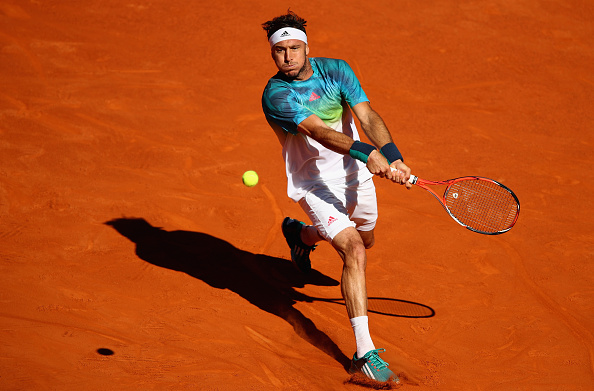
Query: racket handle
(412,179)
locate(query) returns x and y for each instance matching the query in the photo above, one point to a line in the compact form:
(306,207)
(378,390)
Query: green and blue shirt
(328,93)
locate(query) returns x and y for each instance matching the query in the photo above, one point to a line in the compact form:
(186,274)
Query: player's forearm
(376,130)
(315,128)
(333,140)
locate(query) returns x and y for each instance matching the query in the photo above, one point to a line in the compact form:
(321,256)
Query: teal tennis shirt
(288,103)
(329,93)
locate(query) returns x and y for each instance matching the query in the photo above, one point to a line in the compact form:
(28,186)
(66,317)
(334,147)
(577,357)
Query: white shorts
(332,208)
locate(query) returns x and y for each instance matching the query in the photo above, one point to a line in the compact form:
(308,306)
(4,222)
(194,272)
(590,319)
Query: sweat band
(391,152)
(287,33)
(361,151)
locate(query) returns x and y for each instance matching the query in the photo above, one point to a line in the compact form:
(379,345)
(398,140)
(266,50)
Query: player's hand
(400,173)
(378,165)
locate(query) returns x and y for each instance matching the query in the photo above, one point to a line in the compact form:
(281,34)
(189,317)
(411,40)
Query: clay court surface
(132,257)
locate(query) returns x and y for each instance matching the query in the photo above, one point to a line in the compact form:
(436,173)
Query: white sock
(363,339)
(309,235)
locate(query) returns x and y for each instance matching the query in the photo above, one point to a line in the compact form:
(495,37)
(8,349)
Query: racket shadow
(390,307)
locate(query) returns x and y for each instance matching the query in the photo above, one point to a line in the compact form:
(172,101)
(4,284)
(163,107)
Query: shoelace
(375,360)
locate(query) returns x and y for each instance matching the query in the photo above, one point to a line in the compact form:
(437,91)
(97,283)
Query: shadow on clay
(264,281)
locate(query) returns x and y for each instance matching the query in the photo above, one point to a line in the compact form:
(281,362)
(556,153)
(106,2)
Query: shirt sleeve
(281,105)
(351,88)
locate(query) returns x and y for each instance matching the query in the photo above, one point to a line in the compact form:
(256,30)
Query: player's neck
(306,72)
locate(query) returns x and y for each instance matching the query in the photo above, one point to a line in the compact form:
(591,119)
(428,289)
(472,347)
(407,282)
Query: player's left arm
(372,124)
(376,130)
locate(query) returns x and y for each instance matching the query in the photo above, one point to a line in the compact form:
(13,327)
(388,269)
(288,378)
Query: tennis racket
(480,204)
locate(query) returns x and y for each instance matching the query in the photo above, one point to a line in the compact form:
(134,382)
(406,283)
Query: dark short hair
(290,19)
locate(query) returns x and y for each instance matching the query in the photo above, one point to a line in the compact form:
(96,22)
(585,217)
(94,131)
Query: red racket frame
(442,199)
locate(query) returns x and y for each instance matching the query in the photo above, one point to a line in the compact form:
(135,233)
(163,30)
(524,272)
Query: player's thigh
(327,211)
(349,244)
(361,202)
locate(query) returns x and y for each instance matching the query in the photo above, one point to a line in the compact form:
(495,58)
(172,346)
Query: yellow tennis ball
(250,178)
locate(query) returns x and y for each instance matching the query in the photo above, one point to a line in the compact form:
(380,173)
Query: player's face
(290,57)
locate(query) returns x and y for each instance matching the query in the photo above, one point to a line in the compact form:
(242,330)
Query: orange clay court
(132,257)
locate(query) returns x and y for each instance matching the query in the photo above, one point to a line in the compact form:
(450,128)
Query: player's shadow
(266,282)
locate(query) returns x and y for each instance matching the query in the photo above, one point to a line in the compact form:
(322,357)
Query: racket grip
(412,179)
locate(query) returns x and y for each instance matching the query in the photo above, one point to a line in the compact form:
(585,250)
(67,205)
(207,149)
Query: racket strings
(482,205)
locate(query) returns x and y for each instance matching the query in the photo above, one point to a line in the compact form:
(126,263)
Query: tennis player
(308,104)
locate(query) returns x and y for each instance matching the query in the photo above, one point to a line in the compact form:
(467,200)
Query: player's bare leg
(351,249)
(351,245)
(368,238)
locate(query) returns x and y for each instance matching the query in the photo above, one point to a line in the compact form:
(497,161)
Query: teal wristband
(361,151)
(391,153)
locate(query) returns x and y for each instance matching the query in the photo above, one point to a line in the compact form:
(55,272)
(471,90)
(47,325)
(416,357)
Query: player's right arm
(314,127)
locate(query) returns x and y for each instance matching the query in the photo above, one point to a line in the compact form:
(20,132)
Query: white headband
(287,33)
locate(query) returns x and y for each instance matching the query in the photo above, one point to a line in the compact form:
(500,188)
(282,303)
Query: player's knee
(355,252)
(358,249)
(351,247)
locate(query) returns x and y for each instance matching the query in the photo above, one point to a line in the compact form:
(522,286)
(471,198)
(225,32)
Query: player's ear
(306,49)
